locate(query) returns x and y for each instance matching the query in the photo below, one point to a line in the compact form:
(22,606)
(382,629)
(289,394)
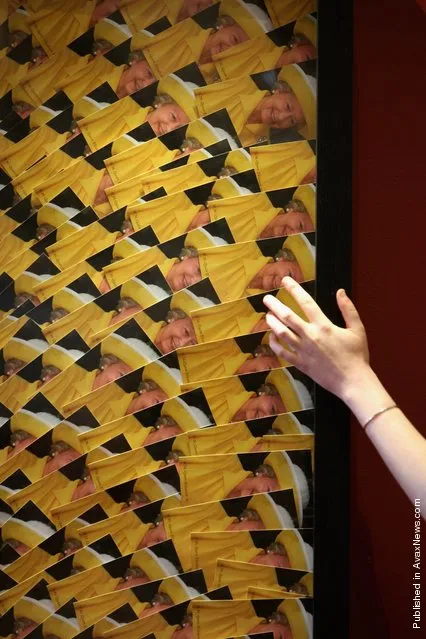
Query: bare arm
(338,359)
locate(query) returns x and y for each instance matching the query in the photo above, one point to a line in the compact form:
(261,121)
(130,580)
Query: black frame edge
(334,271)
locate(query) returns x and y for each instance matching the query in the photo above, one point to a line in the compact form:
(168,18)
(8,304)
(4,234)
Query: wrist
(364,394)
(357,384)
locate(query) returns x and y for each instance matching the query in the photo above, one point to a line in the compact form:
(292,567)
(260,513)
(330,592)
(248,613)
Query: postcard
(38,225)
(47,129)
(257,395)
(21,349)
(168,323)
(39,83)
(264,215)
(190,139)
(167,255)
(284,164)
(28,612)
(171,621)
(24,427)
(26,529)
(62,623)
(284,432)
(99,569)
(59,26)
(274,510)
(175,214)
(294,42)
(239,317)
(144,241)
(149,426)
(136,519)
(91,236)
(14,481)
(181,174)
(248,268)
(23,288)
(239,574)
(214,477)
(44,373)
(53,450)
(71,482)
(126,301)
(65,311)
(111,54)
(257,104)
(122,352)
(56,548)
(238,356)
(146,600)
(88,572)
(146,105)
(198,38)
(17,128)
(217,619)
(276,548)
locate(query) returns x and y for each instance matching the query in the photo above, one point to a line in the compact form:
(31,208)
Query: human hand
(334,357)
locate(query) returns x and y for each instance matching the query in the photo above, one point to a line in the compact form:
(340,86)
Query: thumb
(349,312)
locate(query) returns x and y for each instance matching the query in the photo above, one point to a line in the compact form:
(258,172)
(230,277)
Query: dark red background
(389,287)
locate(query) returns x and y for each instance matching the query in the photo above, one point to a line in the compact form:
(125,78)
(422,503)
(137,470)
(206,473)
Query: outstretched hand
(334,357)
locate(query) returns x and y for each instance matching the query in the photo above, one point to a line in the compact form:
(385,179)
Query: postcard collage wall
(157,177)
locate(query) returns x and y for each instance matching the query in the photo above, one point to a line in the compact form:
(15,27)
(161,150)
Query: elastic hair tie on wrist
(379,412)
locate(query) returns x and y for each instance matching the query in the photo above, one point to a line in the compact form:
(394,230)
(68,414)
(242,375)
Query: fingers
(349,312)
(305,301)
(281,331)
(284,314)
(290,356)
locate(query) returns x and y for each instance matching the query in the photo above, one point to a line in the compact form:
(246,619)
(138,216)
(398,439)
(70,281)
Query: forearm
(401,446)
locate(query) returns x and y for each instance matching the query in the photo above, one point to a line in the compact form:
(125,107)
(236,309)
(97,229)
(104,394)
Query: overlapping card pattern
(157,177)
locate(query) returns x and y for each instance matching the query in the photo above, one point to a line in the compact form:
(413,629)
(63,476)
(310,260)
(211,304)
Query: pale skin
(278,630)
(155,535)
(176,334)
(164,432)
(253,485)
(146,399)
(288,223)
(59,458)
(225,37)
(201,219)
(271,559)
(135,77)
(310,177)
(102,10)
(183,273)
(191,7)
(132,577)
(166,118)
(186,632)
(338,359)
(300,53)
(258,363)
(281,110)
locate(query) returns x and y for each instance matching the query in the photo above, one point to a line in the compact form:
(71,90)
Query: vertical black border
(334,236)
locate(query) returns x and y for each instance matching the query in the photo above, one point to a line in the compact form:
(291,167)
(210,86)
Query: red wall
(389,287)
